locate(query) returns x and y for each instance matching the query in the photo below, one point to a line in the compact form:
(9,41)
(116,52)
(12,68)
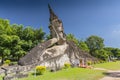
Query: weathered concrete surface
(2,71)
(34,54)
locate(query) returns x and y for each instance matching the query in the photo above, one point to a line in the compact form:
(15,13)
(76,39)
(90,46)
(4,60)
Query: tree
(26,45)
(72,38)
(82,45)
(48,36)
(39,36)
(5,44)
(5,27)
(16,40)
(28,34)
(17,30)
(101,54)
(116,52)
(19,54)
(5,39)
(109,50)
(94,43)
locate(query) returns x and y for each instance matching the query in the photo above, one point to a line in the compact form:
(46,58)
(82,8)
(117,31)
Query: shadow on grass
(112,74)
(36,74)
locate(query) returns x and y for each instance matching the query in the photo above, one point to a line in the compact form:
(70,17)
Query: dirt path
(110,74)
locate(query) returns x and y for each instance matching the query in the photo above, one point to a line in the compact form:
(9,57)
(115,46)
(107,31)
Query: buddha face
(60,27)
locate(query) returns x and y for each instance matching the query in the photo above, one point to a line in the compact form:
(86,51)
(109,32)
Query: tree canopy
(16,40)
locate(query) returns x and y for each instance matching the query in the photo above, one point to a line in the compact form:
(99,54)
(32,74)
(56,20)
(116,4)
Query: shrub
(89,63)
(101,61)
(7,62)
(67,65)
(96,62)
(13,63)
(40,70)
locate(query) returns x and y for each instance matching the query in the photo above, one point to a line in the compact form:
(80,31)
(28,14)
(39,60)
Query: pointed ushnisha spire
(52,14)
(56,27)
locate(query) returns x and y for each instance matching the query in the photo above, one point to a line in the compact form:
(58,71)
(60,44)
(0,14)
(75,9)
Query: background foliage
(16,40)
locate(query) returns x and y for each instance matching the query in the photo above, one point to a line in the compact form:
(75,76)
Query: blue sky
(80,17)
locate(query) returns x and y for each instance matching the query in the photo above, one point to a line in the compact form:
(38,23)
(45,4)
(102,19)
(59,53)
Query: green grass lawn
(0,77)
(109,65)
(69,74)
